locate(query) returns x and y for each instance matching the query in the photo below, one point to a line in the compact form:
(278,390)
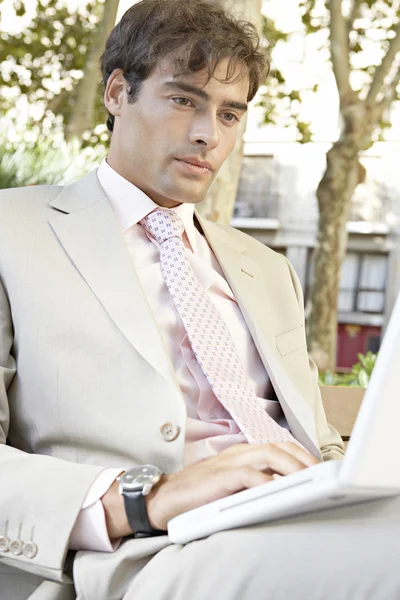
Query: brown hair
(206,33)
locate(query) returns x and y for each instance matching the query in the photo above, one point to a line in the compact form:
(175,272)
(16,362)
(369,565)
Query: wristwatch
(134,485)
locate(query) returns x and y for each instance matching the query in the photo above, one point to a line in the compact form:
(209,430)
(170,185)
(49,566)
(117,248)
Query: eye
(230,117)
(182,101)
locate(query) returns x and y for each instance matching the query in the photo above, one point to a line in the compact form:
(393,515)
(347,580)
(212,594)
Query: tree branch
(384,68)
(390,95)
(354,14)
(339,48)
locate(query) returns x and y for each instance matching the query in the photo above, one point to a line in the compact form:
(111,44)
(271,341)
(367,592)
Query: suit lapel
(87,229)
(248,286)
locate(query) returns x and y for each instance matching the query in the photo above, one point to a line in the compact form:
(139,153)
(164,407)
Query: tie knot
(163,224)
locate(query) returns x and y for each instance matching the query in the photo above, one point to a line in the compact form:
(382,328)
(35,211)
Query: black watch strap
(136,512)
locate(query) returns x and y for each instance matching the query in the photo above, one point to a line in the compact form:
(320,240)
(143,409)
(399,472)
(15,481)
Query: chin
(190,197)
(177,197)
(191,200)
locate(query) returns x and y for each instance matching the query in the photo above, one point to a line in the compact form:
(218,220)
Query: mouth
(195,166)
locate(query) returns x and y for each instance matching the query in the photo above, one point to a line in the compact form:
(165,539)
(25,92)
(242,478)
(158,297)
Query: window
(362,282)
(257,194)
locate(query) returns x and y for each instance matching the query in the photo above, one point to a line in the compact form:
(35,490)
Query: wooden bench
(341,407)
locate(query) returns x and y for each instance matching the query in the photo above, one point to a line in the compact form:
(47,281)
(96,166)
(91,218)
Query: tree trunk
(220,201)
(343,173)
(83,115)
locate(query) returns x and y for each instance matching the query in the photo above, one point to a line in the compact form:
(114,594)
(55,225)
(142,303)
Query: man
(114,353)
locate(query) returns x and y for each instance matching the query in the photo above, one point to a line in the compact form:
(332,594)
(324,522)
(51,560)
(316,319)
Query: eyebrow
(181,86)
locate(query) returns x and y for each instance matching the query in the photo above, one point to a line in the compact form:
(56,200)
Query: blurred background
(315,172)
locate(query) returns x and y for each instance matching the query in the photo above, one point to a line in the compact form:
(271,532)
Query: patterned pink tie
(208,334)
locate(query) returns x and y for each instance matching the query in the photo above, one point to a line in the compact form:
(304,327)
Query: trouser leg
(352,553)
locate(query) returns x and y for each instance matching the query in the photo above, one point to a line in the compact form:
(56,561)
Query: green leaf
(20,9)
(304,130)
(363,378)
(295,95)
(359,375)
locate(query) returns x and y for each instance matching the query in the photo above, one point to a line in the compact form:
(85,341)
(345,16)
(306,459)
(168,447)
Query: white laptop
(370,469)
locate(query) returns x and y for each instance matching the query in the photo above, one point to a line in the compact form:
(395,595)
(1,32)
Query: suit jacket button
(4,543)
(169,432)
(30,549)
(16,547)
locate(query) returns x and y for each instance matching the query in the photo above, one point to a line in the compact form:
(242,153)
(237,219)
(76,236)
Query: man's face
(172,141)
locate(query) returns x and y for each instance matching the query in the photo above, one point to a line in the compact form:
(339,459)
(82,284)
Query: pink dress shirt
(209,427)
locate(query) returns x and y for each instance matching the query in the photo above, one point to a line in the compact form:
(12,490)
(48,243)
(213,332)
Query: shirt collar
(131,205)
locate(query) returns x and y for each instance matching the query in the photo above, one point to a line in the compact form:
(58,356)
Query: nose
(204,131)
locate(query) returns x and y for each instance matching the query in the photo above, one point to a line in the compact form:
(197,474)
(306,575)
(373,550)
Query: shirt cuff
(90,529)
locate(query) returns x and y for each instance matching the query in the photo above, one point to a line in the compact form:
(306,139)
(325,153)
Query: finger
(297,451)
(284,461)
(300,453)
(249,477)
(269,458)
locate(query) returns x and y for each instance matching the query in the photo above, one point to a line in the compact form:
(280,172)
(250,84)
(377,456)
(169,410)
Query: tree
(220,201)
(365,94)
(44,61)
(82,117)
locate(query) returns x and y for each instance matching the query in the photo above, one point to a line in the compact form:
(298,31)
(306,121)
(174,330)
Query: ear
(115,92)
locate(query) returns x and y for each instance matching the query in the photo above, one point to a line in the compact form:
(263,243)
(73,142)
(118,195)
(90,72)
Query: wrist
(155,505)
(114,511)
(135,486)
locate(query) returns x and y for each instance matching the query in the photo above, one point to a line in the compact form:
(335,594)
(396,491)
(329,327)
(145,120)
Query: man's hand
(239,467)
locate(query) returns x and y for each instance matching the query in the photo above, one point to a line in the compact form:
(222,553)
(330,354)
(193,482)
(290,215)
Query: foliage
(46,162)
(43,64)
(371,26)
(280,101)
(359,375)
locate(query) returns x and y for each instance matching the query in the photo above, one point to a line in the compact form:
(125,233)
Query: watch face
(139,477)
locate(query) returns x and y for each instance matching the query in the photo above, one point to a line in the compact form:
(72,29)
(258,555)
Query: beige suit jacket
(85,380)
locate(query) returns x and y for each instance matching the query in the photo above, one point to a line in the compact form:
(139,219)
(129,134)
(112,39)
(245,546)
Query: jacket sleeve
(330,442)
(40,496)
